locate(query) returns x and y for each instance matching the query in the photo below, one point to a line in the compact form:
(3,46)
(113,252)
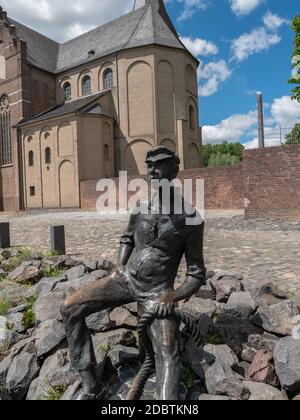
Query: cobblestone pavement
(265,251)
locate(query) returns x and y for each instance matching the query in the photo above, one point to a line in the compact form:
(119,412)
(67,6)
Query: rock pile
(251,336)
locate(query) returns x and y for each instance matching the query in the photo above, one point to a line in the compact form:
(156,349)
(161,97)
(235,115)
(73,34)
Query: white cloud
(62,20)
(259,40)
(230,129)
(200,47)
(212,75)
(191,7)
(274,22)
(280,118)
(244,7)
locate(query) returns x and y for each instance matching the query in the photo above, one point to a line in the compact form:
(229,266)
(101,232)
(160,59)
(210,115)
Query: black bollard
(4,235)
(58,241)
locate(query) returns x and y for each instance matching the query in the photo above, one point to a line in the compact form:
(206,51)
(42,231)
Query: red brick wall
(223,187)
(272,182)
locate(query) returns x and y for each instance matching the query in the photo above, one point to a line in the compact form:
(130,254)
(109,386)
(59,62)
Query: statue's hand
(165,306)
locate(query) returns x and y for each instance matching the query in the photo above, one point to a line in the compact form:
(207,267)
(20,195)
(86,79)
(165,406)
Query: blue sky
(243,46)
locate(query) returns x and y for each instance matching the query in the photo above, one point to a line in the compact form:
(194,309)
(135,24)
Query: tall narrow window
(86,86)
(192,117)
(5,131)
(108,79)
(67,91)
(47,155)
(31,158)
(106,153)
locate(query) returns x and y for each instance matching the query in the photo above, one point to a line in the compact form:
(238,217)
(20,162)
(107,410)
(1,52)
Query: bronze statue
(150,253)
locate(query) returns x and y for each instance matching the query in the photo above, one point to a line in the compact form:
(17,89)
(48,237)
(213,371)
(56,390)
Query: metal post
(4,235)
(261,130)
(58,241)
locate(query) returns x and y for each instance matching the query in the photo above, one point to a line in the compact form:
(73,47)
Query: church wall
(95,147)
(43,86)
(56,183)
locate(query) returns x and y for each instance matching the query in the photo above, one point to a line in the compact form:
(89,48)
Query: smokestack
(261,129)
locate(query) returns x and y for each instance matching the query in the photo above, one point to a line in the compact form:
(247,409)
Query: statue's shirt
(159,243)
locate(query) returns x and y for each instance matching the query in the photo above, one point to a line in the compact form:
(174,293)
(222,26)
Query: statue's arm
(196,271)
(127,244)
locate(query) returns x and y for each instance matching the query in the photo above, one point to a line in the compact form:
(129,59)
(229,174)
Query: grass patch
(29,317)
(213,337)
(52,272)
(190,378)
(105,348)
(5,306)
(54,393)
(3,277)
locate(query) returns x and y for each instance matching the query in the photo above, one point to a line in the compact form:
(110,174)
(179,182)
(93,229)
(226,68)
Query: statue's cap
(161,153)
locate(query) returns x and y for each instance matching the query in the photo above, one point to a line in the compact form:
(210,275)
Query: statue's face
(163,169)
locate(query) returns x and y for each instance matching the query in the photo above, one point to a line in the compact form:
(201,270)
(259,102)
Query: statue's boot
(91,390)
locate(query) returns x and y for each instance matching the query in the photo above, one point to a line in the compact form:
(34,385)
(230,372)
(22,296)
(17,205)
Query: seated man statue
(150,253)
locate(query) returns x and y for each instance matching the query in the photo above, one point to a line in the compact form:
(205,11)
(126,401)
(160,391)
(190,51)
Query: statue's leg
(165,339)
(105,293)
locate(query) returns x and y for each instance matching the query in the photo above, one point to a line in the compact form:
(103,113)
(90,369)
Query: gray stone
(15,321)
(76,284)
(235,331)
(48,336)
(23,370)
(17,309)
(206,292)
(4,395)
(105,265)
(221,380)
(71,392)
(99,322)
(197,306)
(287,363)
(270,294)
(220,274)
(263,392)
(121,355)
(257,342)
(225,287)
(12,292)
(120,317)
(38,390)
(55,262)
(241,304)
(132,308)
(47,284)
(56,370)
(48,306)
(223,354)
(25,273)
(278,318)
(197,396)
(90,265)
(108,340)
(251,286)
(198,358)
(75,272)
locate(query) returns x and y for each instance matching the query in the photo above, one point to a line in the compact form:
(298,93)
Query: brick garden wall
(272,182)
(223,187)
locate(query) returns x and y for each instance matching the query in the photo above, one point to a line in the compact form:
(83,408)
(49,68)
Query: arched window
(47,155)
(108,79)
(31,158)
(192,117)
(106,153)
(67,91)
(5,131)
(86,86)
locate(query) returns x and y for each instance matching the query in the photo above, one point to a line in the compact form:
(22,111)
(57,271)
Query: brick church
(92,106)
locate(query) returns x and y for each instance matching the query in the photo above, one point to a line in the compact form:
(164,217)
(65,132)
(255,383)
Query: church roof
(66,108)
(144,26)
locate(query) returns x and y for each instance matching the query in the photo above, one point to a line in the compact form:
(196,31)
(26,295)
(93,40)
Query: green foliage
(54,393)
(5,306)
(295,80)
(213,337)
(29,317)
(190,378)
(232,149)
(105,348)
(220,159)
(3,277)
(294,136)
(52,272)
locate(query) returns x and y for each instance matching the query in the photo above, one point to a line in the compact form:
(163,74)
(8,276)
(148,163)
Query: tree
(221,159)
(232,149)
(294,136)
(295,80)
